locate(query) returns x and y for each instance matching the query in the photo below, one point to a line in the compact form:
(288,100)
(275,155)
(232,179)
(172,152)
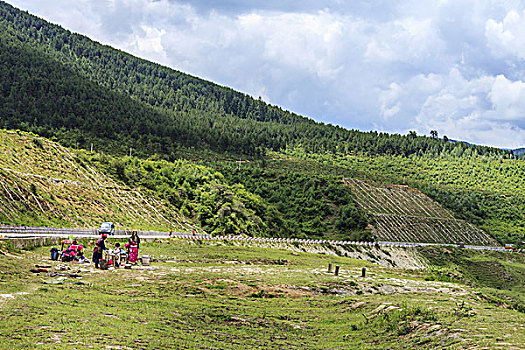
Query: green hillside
(485,191)
(44,183)
(68,88)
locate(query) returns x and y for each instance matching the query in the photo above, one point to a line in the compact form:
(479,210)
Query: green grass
(214,296)
(501,275)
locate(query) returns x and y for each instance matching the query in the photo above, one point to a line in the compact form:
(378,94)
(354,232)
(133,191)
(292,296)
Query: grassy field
(204,296)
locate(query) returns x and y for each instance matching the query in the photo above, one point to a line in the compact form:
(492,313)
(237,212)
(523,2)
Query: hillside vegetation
(483,190)
(403,214)
(44,183)
(312,204)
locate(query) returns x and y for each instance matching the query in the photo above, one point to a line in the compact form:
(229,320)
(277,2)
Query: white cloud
(508,99)
(507,38)
(309,42)
(487,109)
(152,40)
(408,40)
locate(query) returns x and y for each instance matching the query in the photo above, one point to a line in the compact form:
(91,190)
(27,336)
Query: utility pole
(130,151)
(91,146)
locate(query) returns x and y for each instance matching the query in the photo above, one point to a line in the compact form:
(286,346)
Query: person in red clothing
(75,248)
(133,247)
(100,247)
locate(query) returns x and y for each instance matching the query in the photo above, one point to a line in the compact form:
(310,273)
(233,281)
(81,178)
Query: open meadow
(202,295)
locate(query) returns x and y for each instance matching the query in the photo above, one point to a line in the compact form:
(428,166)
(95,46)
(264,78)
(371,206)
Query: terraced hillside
(403,214)
(43,183)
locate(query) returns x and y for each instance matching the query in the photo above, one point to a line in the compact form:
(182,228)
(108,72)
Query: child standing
(116,255)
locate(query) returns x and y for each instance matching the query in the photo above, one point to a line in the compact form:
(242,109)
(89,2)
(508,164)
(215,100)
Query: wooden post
(330,267)
(363,272)
(337,270)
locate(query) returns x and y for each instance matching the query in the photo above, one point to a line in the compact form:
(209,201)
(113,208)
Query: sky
(457,67)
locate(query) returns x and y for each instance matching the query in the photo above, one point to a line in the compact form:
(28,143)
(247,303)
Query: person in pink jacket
(133,248)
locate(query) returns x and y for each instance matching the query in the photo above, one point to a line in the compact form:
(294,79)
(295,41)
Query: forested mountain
(56,83)
(89,93)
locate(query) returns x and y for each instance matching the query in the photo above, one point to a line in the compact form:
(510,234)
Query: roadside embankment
(29,242)
(401,257)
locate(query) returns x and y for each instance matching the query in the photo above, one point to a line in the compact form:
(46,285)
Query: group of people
(130,251)
(73,253)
